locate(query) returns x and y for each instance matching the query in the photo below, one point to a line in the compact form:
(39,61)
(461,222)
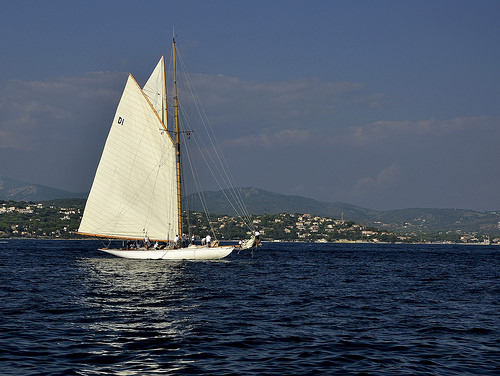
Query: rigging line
(195,175)
(202,198)
(198,186)
(227,177)
(187,155)
(239,209)
(184,208)
(247,222)
(202,114)
(153,97)
(205,122)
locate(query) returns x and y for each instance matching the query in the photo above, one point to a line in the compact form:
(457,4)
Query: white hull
(190,253)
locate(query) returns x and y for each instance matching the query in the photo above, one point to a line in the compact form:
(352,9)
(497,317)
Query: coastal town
(61,218)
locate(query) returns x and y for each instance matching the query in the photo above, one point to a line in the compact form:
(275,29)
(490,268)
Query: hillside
(419,220)
(16,190)
(258,201)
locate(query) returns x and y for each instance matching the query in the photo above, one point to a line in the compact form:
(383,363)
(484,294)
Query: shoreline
(4,240)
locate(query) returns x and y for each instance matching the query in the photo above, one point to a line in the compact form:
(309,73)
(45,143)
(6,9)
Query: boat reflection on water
(125,298)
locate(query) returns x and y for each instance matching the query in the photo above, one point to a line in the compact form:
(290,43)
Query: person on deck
(208,240)
(257,238)
(176,241)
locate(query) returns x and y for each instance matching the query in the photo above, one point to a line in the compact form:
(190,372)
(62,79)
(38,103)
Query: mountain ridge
(259,202)
(418,220)
(17,190)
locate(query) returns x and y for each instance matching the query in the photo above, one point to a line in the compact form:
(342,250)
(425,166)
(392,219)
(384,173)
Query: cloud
(378,133)
(381,165)
(54,125)
(35,113)
(382,131)
(284,138)
(321,139)
(248,106)
(369,184)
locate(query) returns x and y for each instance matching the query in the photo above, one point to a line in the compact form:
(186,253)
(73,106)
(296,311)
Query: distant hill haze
(417,220)
(258,201)
(16,190)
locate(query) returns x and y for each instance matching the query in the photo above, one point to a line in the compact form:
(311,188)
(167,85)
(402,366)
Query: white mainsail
(134,192)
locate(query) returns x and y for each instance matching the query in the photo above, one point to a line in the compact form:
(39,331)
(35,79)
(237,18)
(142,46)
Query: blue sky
(387,104)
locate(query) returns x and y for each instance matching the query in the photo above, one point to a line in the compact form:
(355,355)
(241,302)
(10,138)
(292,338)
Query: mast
(177,143)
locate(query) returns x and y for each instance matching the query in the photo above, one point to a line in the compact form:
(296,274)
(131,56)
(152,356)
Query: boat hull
(189,253)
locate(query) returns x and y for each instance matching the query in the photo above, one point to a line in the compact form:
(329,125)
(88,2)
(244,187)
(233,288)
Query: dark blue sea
(286,309)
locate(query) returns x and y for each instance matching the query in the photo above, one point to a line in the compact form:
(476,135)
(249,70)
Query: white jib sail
(156,91)
(134,192)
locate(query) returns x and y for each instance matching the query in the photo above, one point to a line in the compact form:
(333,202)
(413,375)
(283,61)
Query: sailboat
(136,192)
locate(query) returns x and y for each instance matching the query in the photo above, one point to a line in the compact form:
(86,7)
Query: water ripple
(288,309)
